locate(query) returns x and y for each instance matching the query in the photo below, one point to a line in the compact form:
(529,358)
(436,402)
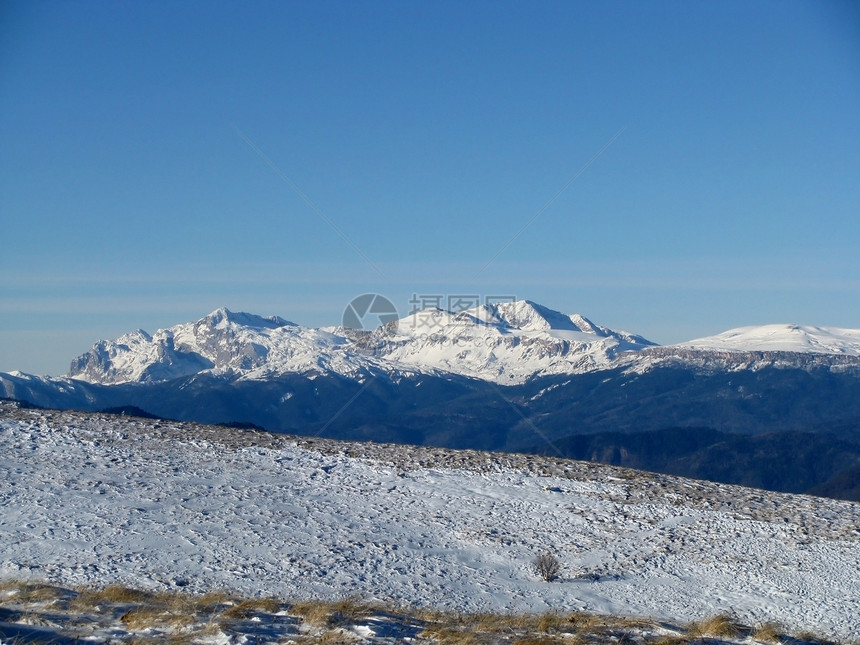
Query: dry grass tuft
(547,628)
(769,632)
(247,608)
(428,615)
(121,594)
(629,622)
(551,621)
(153,617)
(318,613)
(213,598)
(315,613)
(719,626)
(540,640)
(578,628)
(20,592)
(672,640)
(158,610)
(185,638)
(489,622)
(447,635)
(34,619)
(12,584)
(502,623)
(586,624)
(352,610)
(90,598)
(331,637)
(816,639)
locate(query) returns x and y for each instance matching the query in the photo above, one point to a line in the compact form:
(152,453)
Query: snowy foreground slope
(101,499)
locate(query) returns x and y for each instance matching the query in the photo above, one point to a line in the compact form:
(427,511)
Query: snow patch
(782,338)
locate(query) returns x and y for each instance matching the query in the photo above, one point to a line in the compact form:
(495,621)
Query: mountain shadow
(819,462)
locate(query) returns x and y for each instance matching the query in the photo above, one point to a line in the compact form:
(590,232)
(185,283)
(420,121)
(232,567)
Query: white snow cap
(782,338)
(223,316)
(507,343)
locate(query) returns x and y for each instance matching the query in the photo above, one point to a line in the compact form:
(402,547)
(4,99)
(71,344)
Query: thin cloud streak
(780,274)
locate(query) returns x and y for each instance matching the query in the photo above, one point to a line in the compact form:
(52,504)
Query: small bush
(547,566)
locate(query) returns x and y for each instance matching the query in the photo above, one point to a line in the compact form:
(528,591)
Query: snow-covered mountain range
(507,343)
(224,343)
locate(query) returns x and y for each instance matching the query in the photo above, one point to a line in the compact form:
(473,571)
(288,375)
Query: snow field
(93,499)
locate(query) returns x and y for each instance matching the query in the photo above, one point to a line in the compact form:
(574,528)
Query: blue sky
(162,159)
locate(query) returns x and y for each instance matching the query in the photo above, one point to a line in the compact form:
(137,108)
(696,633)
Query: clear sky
(161,159)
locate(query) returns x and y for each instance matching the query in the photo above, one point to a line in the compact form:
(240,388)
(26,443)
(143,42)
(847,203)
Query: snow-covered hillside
(95,499)
(782,338)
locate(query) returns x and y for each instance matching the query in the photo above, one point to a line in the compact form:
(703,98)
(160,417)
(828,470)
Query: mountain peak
(526,315)
(507,342)
(223,316)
